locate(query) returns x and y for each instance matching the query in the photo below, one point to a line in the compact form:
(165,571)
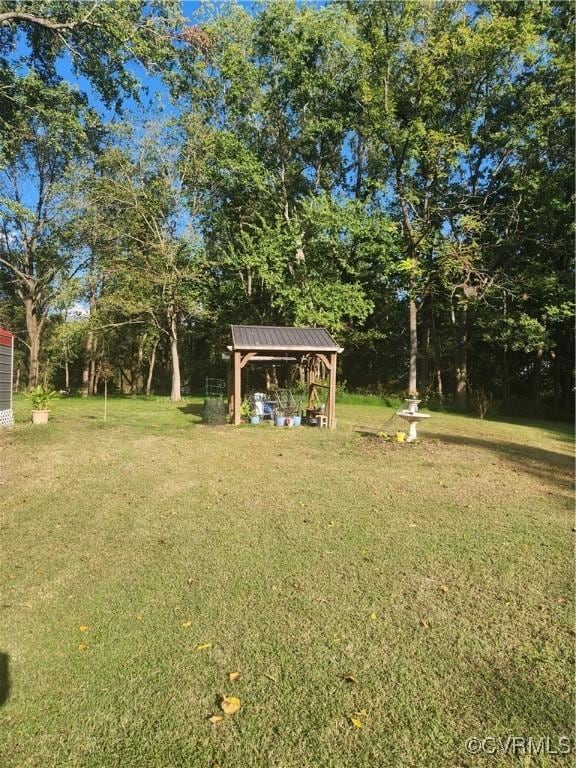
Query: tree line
(400,173)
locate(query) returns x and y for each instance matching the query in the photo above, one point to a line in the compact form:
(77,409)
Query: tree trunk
(413,312)
(66,374)
(151,369)
(92,367)
(175,395)
(88,360)
(425,366)
(33,328)
(17,381)
(505,374)
(437,353)
(536,378)
(461,361)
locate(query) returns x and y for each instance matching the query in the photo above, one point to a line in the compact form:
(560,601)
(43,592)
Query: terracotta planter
(40,417)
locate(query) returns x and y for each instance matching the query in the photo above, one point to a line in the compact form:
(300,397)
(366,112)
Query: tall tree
(153,263)
(38,255)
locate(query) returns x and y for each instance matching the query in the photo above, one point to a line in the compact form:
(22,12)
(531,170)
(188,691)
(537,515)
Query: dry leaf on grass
(83,628)
(230,704)
(444,588)
(203,646)
(349,678)
(424,623)
(215,720)
(186,624)
(357,723)
(82,647)
(373,616)
(270,677)
(234,676)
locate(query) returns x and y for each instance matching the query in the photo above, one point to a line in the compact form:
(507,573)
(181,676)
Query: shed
(276,344)
(6,372)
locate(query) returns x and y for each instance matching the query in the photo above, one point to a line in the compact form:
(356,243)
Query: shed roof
(6,337)
(274,337)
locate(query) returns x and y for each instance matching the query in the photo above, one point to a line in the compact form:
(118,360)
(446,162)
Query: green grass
(277,545)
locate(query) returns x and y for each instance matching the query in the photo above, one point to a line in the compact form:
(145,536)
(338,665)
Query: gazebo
(277,344)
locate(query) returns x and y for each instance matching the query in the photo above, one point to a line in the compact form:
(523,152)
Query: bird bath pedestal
(410,414)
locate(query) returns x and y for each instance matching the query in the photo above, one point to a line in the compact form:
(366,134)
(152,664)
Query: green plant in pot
(254,416)
(41,399)
(245,409)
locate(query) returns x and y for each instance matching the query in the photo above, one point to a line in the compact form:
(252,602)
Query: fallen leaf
(230,704)
(82,647)
(203,646)
(234,677)
(84,628)
(186,624)
(444,588)
(270,677)
(215,720)
(424,624)
(349,678)
(357,723)
(138,618)
(413,525)
(373,616)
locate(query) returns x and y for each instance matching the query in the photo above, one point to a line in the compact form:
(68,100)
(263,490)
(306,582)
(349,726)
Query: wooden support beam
(332,393)
(247,357)
(311,378)
(237,387)
(324,360)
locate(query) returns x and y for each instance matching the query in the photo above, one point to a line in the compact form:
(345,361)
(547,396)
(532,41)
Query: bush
(214,410)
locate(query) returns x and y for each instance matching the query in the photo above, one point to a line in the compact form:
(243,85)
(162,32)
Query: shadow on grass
(4,679)
(192,409)
(547,466)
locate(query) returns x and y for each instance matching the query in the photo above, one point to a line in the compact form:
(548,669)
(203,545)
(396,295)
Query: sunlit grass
(275,546)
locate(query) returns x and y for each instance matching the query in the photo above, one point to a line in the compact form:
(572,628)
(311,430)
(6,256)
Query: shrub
(481,401)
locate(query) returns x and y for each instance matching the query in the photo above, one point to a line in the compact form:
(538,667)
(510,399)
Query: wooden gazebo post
(237,387)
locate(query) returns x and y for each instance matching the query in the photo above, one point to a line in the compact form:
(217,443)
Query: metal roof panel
(275,337)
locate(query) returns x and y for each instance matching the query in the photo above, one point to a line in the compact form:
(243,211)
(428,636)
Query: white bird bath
(412,416)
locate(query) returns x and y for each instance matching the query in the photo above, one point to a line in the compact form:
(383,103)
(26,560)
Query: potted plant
(280,419)
(41,399)
(297,420)
(245,409)
(254,416)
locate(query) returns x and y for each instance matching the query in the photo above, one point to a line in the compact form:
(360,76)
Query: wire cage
(214,401)
(215,388)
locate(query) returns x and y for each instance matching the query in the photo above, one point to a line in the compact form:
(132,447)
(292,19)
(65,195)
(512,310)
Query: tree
(99,40)
(152,262)
(38,255)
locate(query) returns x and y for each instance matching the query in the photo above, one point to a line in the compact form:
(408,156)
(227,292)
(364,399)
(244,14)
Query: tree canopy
(401,173)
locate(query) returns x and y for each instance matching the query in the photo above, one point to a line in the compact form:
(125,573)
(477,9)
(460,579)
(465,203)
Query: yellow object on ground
(400,437)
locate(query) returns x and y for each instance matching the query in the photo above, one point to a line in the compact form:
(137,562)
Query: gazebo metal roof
(275,338)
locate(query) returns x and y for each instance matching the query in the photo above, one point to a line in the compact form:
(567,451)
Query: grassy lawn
(278,548)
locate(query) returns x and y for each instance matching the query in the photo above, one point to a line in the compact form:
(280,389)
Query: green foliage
(325,164)
(42,398)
